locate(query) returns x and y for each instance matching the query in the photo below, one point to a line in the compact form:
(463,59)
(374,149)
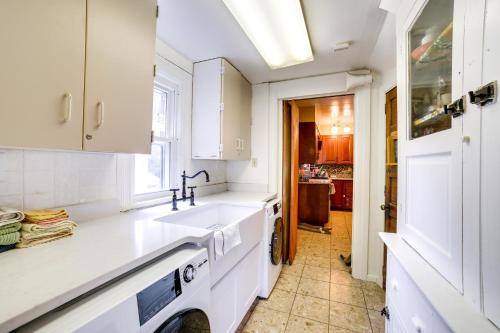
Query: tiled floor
(317,292)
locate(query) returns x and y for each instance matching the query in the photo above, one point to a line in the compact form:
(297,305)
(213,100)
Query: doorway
(391,168)
(318,162)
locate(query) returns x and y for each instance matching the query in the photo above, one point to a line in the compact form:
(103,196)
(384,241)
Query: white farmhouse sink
(207,216)
(251,224)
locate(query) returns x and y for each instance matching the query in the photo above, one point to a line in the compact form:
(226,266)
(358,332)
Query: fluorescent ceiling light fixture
(276,28)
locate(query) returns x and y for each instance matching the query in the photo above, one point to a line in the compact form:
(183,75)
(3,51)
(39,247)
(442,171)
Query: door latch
(385,312)
(455,109)
(486,94)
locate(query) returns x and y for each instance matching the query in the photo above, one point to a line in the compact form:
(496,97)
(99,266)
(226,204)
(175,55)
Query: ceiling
(328,111)
(205,29)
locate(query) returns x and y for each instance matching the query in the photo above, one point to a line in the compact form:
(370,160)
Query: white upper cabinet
(221,118)
(42,63)
(430,161)
(119,75)
(77,74)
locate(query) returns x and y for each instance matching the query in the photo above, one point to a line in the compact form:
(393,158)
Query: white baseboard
(374,278)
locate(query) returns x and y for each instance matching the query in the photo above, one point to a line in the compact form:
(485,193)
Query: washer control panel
(191,270)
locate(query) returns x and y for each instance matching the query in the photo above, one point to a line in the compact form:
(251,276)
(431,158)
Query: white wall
(40,179)
(383,61)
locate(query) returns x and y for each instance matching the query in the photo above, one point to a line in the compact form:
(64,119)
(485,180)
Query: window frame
(171,141)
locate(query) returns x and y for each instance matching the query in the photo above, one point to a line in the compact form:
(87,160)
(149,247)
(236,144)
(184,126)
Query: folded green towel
(11,238)
(10,228)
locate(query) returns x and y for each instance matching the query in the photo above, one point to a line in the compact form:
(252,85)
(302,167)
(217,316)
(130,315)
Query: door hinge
(222,107)
(486,94)
(385,312)
(152,136)
(154,70)
(221,148)
(157,11)
(455,109)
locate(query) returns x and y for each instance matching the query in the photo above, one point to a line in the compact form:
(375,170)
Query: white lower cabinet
(409,310)
(233,294)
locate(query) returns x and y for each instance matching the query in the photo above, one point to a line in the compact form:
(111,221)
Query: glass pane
(160,113)
(430,43)
(150,170)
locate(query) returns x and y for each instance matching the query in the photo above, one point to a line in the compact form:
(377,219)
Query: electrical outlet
(254,162)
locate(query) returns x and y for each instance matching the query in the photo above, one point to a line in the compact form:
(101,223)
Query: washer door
(277,242)
(193,320)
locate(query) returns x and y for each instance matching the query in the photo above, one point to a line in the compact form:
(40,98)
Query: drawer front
(414,311)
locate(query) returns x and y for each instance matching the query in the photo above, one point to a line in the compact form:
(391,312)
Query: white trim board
(329,85)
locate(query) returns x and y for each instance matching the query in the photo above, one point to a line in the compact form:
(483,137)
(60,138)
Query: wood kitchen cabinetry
(313,203)
(222,102)
(336,149)
(342,199)
(58,54)
(308,143)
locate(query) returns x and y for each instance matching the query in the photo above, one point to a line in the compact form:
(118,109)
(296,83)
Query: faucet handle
(191,195)
(174,198)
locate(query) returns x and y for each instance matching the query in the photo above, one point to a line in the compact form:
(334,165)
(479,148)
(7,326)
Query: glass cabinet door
(430,60)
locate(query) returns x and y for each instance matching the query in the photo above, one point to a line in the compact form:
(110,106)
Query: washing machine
(272,247)
(170,295)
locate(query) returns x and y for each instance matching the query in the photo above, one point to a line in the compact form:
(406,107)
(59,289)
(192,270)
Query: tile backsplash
(338,170)
(41,179)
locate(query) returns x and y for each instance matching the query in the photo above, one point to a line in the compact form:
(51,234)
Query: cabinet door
(230,115)
(347,194)
(307,143)
(42,73)
(119,75)
(338,199)
(330,149)
(245,119)
(430,141)
(206,122)
(345,149)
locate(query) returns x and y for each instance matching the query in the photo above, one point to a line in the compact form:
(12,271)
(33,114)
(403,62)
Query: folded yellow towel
(33,229)
(44,214)
(24,242)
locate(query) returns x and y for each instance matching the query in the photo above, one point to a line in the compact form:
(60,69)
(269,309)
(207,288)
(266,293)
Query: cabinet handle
(238,144)
(100,114)
(69,106)
(242,144)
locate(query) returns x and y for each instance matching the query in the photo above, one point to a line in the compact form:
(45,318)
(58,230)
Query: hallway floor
(317,293)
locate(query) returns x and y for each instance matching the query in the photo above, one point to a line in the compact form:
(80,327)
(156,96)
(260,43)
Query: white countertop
(458,314)
(39,279)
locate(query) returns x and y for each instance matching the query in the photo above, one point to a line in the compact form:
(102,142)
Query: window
(153,174)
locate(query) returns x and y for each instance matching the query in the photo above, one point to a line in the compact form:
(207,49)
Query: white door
(490,167)
(121,36)
(430,144)
(42,73)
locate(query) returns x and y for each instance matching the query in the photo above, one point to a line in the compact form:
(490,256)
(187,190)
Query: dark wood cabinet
(345,152)
(314,203)
(336,149)
(342,199)
(308,143)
